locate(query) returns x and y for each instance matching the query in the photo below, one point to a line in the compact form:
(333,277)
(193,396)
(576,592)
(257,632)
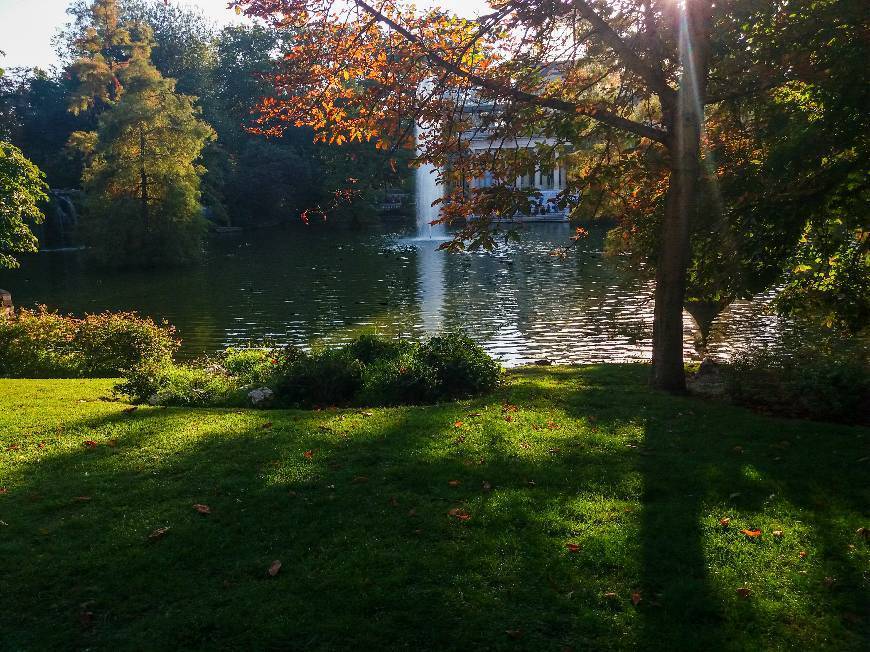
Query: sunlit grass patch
(574,505)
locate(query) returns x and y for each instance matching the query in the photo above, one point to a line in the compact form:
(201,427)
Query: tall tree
(22,190)
(636,77)
(142,179)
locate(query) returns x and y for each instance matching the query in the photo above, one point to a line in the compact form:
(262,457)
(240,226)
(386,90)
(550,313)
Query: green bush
(251,366)
(324,377)
(461,366)
(45,344)
(818,379)
(369,370)
(182,385)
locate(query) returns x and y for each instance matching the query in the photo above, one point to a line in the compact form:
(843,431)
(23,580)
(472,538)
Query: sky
(27,26)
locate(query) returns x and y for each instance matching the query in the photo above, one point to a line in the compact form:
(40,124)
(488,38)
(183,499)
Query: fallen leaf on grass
(610,595)
(573,547)
(266,425)
(725,522)
(635,598)
(202,509)
(308,454)
(454,483)
(112,443)
(367,414)
(458,424)
(863,532)
(777,534)
(508,418)
(90,443)
(4,490)
(802,554)
(130,410)
(752,534)
(552,425)
(829,581)
(158,534)
(274,568)
(459,514)
(744,592)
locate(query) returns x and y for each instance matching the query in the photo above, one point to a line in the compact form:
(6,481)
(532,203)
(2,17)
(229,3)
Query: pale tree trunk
(685,126)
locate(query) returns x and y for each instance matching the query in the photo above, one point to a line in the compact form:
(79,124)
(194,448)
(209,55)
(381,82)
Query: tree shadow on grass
(369,552)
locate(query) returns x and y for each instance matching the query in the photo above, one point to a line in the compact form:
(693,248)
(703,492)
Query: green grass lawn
(371,556)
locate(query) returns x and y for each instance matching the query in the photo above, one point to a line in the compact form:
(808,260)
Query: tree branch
(654,77)
(598,113)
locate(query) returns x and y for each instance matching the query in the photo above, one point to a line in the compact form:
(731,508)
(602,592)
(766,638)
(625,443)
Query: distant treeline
(246,179)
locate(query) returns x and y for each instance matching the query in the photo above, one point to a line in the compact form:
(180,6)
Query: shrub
(251,366)
(461,366)
(46,344)
(819,378)
(324,377)
(369,370)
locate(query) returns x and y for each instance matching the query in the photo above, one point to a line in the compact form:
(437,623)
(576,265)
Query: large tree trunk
(685,121)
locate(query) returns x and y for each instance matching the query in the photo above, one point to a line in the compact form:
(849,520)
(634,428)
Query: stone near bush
(261,397)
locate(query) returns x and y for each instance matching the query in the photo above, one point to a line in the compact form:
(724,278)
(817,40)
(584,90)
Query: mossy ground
(371,558)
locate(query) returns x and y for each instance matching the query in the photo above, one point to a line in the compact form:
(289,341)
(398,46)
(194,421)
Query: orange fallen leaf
(635,597)
(752,534)
(459,514)
(508,418)
(90,443)
(202,509)
(454,483)
(573,547)
(274,568)
(158,534)
(725,522)
(802,554)
(308,454)
(4,490)
(458,424)
(744,592)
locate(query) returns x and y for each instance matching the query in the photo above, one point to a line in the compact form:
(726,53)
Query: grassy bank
(533,519)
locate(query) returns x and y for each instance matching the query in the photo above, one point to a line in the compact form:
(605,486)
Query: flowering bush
(45,344)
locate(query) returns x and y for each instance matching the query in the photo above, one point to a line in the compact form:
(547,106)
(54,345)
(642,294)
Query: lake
(326,282)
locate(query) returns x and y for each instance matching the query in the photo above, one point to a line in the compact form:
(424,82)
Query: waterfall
(61,220)
(428,190)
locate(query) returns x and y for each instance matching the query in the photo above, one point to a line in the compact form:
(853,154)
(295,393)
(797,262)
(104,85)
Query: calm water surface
(324,282)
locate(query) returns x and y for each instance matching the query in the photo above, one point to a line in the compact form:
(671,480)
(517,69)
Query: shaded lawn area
(371,558)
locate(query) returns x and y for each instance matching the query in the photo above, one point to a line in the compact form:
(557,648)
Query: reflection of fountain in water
(430,275)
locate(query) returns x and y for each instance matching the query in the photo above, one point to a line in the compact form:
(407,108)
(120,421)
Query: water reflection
(325,282)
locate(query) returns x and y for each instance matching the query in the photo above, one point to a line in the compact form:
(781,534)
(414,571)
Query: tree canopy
(22,189)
